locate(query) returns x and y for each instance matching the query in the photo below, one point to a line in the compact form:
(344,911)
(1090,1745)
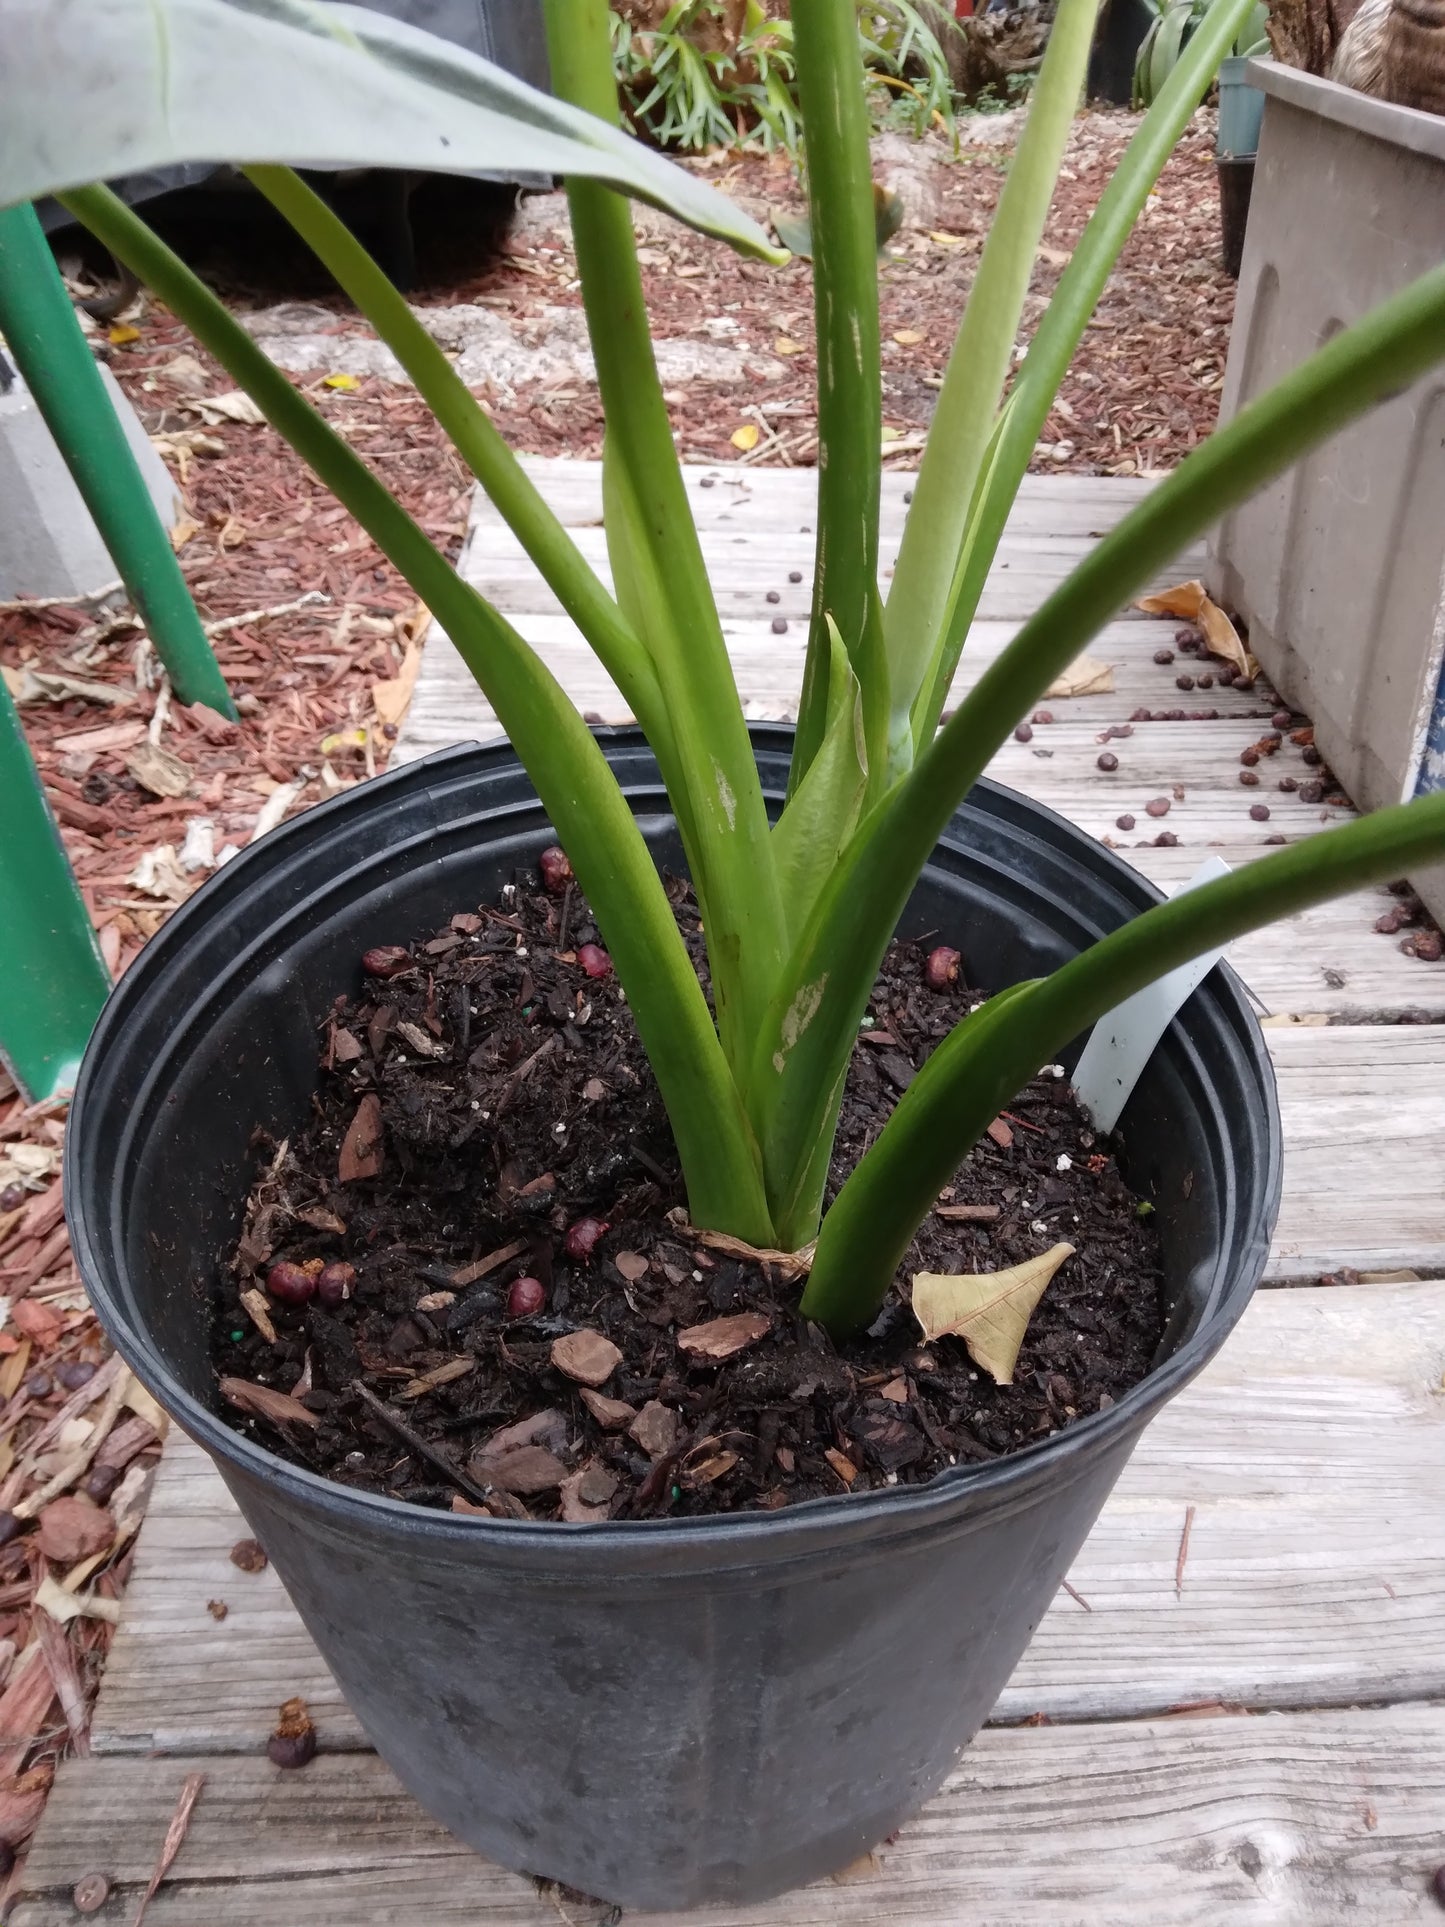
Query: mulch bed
(471,1281)
(1143,390)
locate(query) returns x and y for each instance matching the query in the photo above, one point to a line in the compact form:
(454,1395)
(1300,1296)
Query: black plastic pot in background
(1241,115)
(1118,37)
(1236,185)
(660,1713)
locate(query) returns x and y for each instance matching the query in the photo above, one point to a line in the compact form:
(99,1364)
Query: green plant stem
(724,817)
(715,1143)
(850,417)
(815,1014)
(1058,336)
(981,1065)
(968,402)
(476,440)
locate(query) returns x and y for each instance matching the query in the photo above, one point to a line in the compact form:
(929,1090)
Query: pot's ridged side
(661,1714)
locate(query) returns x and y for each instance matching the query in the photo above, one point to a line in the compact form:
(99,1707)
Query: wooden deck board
(1316,1571)
(1305,1819)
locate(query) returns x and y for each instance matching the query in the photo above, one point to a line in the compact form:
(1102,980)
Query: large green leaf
(95,89)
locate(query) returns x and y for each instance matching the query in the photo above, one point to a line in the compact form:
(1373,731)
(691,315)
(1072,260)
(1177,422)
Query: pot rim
(1001,1484)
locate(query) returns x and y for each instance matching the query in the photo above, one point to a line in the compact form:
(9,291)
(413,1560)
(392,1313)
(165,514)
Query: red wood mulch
(1142,391)
(261,536)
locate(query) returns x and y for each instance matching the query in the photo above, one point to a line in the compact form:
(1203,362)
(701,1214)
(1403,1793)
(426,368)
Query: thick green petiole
(1058,336)
(715,1143)
(654,544)
(991,1055)
(917,613)
(850,404)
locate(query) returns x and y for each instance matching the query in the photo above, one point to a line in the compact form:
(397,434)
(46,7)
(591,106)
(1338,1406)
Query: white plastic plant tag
(1123,1041)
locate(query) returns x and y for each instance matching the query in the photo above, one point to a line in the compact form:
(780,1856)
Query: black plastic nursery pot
(1236,190)
(659,1713)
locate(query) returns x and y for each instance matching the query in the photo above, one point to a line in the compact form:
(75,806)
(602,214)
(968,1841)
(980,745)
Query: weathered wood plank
(1364,1129)
(744,567)
(1302,1818)
(783,500)
(1311,1451)
(756,530)
(769,671)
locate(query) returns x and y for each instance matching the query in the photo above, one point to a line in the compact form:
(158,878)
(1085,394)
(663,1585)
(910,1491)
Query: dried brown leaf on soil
(989,1311)
(791,1264)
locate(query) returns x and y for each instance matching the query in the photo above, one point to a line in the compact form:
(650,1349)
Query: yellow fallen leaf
(346,382)
(392,699)
(785,345)
(907,337)
(343,739)
(948,240)
(122,333)
(1086,676)
(1192,602)
(745,437)
(989,1311)
(182,533)
(892,434)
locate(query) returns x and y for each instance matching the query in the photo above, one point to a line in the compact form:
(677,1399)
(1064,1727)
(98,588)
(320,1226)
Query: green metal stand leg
(47,346)
(52,978)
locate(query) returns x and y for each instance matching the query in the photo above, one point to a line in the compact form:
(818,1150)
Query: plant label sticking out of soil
(1122,1043)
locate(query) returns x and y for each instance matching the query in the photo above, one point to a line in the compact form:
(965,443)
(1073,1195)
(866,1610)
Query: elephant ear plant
(797,912)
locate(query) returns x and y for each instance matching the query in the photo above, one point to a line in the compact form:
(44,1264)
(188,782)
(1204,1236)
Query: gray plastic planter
(1339,565)
(661,1714)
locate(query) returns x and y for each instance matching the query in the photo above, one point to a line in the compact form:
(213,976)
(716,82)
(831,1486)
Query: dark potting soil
(505,1308)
